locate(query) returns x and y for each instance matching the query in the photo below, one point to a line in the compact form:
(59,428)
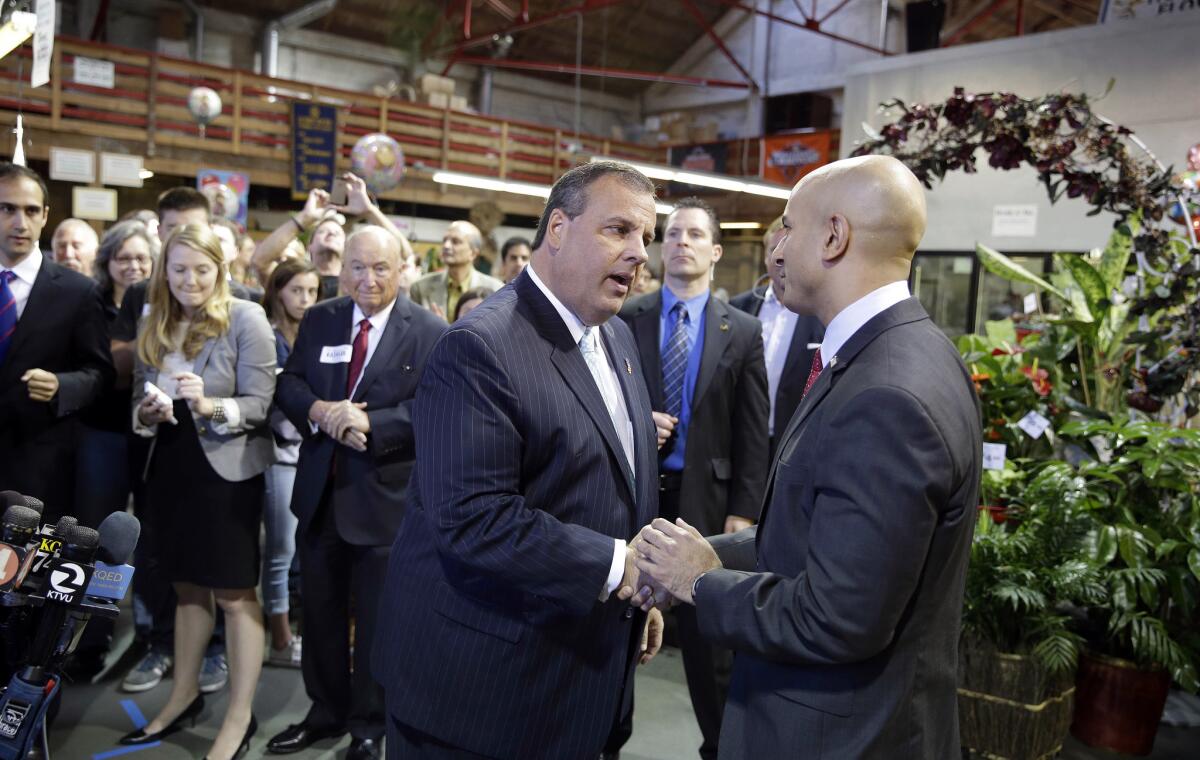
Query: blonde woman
(203,382)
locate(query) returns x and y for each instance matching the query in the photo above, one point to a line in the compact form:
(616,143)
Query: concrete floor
(94,716)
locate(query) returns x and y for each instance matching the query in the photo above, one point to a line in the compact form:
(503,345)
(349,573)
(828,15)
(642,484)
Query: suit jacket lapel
(393,334)
(717,337)
(799,357)
(41,302)
(645,332)
(569,362)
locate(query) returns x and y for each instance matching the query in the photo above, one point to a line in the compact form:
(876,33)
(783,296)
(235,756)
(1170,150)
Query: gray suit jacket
(846,625)
(239,365)
(431,289)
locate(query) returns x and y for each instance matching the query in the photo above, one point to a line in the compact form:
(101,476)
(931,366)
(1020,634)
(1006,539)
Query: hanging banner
(1128,10)
(314,147)
(43,43)
(787,158)
(709,157)
(228,193)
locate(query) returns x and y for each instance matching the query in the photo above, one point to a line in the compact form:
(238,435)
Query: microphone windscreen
(118,538)
(82,536)
(22,517)
(36,504)
(11,499)
(65,523)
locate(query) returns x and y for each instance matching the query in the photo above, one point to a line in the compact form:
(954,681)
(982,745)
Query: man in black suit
(348,387)
(703,364)
(536,462)
(846,624)
(54,356)
(789,339)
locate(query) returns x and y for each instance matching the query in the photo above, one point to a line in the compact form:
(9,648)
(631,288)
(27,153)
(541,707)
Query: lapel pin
(724,327)
(628,367)
(833,361)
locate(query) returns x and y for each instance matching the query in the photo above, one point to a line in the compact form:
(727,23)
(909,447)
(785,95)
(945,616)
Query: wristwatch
(218,411)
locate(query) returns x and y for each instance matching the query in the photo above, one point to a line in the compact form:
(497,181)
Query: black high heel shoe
(190,713)
(244,747)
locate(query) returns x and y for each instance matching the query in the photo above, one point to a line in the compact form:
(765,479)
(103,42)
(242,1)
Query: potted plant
(1142,499)
(1018,655)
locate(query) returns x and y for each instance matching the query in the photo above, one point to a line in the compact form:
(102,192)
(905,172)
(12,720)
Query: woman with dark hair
(469,300)
(203,379)
(291,289)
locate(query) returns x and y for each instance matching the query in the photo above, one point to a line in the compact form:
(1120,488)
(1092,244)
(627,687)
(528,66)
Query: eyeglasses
(126,260)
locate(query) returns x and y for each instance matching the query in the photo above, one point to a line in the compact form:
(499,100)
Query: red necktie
(813,373)
(359,356)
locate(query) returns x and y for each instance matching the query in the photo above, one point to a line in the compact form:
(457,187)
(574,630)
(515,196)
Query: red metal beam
(500,7)
(1020,18)
(482,39)
(467,19)
(716,38)
(600,71)
(836,8)
(811,26)
(973,22)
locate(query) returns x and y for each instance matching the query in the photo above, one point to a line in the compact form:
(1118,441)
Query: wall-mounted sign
(1014,221)
(120,169)
(709,157)
(787,158)
(71,165)
(94,203)
(43,43)
(1127,10)
(95,73)
(314,147)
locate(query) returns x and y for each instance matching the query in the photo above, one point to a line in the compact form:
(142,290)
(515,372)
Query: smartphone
(337,196)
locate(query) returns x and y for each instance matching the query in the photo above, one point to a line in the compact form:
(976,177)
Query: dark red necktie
(358,356)
(813,373)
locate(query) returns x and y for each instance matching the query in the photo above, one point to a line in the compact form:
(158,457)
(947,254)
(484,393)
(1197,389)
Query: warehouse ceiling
(646,36)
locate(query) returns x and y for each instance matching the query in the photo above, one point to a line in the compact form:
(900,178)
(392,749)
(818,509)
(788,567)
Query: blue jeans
(280,547)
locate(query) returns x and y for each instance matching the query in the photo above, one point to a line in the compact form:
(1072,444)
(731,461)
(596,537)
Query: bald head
(852,226)
(75,244)
(461,244)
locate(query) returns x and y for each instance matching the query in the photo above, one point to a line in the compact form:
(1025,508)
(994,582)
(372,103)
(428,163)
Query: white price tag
(1031,303)
(1143,323)
(1034,424)
(1100,444)
(336,354)
(994,456)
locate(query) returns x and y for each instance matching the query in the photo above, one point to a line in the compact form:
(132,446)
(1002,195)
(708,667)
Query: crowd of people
(441,465)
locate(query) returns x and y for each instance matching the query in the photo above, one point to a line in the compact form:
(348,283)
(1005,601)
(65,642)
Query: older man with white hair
(348,387)
(439,291)
(75,244)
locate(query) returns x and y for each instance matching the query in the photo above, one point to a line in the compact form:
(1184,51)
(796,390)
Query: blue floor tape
(139,721)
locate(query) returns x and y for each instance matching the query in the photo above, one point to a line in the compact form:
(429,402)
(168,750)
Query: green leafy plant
(1140,492)
(1025,574)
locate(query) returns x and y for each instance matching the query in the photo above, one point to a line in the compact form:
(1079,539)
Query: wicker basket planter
(1009,707)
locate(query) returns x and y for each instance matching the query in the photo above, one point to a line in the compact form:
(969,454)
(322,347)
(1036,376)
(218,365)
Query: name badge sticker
(336,354)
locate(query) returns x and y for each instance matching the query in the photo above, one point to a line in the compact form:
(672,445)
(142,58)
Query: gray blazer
(239,365)
(431,289)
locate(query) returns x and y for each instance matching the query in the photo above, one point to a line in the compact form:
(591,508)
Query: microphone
(66,583)
(35,504)
(19,525)
(119,535)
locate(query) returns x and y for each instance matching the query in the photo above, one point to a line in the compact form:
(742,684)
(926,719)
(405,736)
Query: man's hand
(314,207)
(734,523)
(358,201)
(42,385)
(355,440)
(438,312)
(675,556)
(345,416)
(640,589)
(151,411)
(652,636)
(191,390)
(665,425)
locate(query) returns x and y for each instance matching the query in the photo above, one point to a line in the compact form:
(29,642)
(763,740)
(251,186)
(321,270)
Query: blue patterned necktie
(8,312)
(675,359)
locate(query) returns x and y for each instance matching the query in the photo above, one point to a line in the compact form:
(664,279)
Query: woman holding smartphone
(203,381)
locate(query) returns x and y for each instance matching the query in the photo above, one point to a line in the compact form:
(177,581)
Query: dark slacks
(342,581)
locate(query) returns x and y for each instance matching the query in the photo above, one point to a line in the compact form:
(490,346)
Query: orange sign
(787,158)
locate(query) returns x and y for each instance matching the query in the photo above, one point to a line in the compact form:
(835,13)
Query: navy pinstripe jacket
(492,636)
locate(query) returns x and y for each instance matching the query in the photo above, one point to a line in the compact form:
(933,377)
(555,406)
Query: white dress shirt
(610,390)
(26,272)
(778,326)
(851,319)
(378,322)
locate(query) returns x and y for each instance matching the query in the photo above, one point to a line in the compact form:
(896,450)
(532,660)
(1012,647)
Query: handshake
(663,563)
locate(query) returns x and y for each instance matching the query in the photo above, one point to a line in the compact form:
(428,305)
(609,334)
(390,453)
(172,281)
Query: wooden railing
(148,106)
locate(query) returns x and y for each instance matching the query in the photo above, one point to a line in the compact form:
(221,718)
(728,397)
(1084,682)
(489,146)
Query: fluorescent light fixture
(16,30)
(770,191)
(145,174)
(710,180)
(741,225)
(526,188)
(663,208)
(469,180)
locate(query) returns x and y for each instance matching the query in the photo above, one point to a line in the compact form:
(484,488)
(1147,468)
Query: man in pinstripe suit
(500,634)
